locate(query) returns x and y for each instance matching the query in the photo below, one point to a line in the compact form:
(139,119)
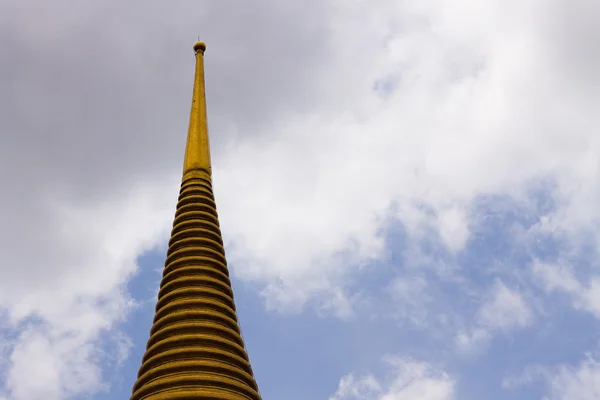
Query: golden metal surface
(197,150)
(195,350)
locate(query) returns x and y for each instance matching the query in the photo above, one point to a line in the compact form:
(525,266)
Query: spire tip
(200,46)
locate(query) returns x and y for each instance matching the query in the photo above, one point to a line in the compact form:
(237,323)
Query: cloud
(62,317)
(561,278)
(528,376)
(576,383)
(504,310)
(470,110)
(562,382)
(405,379)
(65,365)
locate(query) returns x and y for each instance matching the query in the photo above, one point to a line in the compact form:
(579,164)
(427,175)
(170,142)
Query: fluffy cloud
(503,310)
(576,383)
(564,382)
(561,278)
(438,108)
(405,379)
(58,315)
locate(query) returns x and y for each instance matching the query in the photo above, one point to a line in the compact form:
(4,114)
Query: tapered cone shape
(196,349)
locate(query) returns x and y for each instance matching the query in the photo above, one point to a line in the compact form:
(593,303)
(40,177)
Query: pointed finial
(200,46)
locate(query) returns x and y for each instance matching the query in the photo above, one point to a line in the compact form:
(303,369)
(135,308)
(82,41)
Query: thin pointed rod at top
(197,149)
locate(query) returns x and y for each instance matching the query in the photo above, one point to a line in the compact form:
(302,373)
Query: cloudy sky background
(408,192)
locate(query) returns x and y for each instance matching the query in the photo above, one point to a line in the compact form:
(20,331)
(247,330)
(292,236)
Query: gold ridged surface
(196,350)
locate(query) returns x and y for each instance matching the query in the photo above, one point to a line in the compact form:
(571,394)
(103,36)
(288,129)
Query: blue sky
(408,192)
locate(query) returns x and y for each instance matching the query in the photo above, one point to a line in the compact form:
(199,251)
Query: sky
(408,192)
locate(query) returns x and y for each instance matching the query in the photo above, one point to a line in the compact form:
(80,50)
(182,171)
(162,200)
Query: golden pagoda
(195,350)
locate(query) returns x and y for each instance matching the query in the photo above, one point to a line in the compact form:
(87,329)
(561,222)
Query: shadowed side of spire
(195,350)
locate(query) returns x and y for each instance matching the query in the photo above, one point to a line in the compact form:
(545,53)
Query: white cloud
(45,366)
(59,318)
(503,310)
(528,376)
(564,382)
(405,379)
(453,228)
(472,340)
(576,383)
(411,299)
(480,107)
(560,278)
(556,277)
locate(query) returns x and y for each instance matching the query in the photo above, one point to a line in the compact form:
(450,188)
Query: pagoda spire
(197,149)
(195,350)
